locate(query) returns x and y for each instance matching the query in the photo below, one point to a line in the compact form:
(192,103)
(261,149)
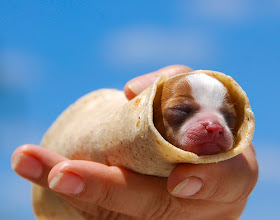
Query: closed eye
(176,115)
(230,118)
(182,109)
(229,114)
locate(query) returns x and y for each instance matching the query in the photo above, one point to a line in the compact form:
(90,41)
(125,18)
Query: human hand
(212,191)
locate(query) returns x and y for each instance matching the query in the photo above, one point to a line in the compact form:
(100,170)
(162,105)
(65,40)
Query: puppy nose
(214,128)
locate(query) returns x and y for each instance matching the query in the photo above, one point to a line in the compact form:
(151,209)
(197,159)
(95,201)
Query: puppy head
(197,114)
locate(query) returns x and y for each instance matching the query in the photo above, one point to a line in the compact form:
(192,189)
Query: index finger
(34,163)
(138,84)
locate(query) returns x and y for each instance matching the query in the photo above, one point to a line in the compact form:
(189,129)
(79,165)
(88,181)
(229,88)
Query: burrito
(103,126)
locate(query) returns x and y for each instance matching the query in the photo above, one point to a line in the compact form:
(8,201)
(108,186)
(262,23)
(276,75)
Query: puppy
(197,114)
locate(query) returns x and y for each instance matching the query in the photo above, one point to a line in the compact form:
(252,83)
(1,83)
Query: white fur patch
(207,91)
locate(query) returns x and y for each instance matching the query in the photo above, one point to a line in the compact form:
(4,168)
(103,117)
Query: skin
(214,191)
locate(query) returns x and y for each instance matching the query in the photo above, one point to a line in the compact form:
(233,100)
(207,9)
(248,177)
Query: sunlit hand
(205,191)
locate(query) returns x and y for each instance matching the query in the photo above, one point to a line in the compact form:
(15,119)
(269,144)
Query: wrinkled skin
(215,191)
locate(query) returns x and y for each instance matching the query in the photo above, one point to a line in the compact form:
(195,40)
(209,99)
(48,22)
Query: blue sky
(53,52)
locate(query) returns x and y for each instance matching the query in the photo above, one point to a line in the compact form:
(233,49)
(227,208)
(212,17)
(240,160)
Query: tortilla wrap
(105,127)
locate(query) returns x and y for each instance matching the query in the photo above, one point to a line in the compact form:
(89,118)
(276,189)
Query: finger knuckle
(105,214)
(161,210)
(103,198)
(101,214)
(161,207)
(168,208)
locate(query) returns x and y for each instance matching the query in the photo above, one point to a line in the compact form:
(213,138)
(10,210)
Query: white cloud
(20,69)
(268,159)
(277,2)
(144,45)
(17,132)
(228,12)
(223,10)
(275,7)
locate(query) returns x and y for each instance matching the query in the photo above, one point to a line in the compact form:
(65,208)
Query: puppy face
(197,114)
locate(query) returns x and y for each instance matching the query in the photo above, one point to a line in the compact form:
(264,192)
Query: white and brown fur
(196,114)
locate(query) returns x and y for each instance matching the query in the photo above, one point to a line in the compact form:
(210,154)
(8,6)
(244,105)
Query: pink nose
(214,128)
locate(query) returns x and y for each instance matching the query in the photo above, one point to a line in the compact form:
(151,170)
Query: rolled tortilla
(105,127)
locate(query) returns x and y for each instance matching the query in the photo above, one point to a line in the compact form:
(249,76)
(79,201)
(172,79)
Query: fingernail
(188,187)
(67,183)
(27,166)
(135,86)
(139,84)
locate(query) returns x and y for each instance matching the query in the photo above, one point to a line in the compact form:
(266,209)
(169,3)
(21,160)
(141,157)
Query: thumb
(228,181)
(135,86)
